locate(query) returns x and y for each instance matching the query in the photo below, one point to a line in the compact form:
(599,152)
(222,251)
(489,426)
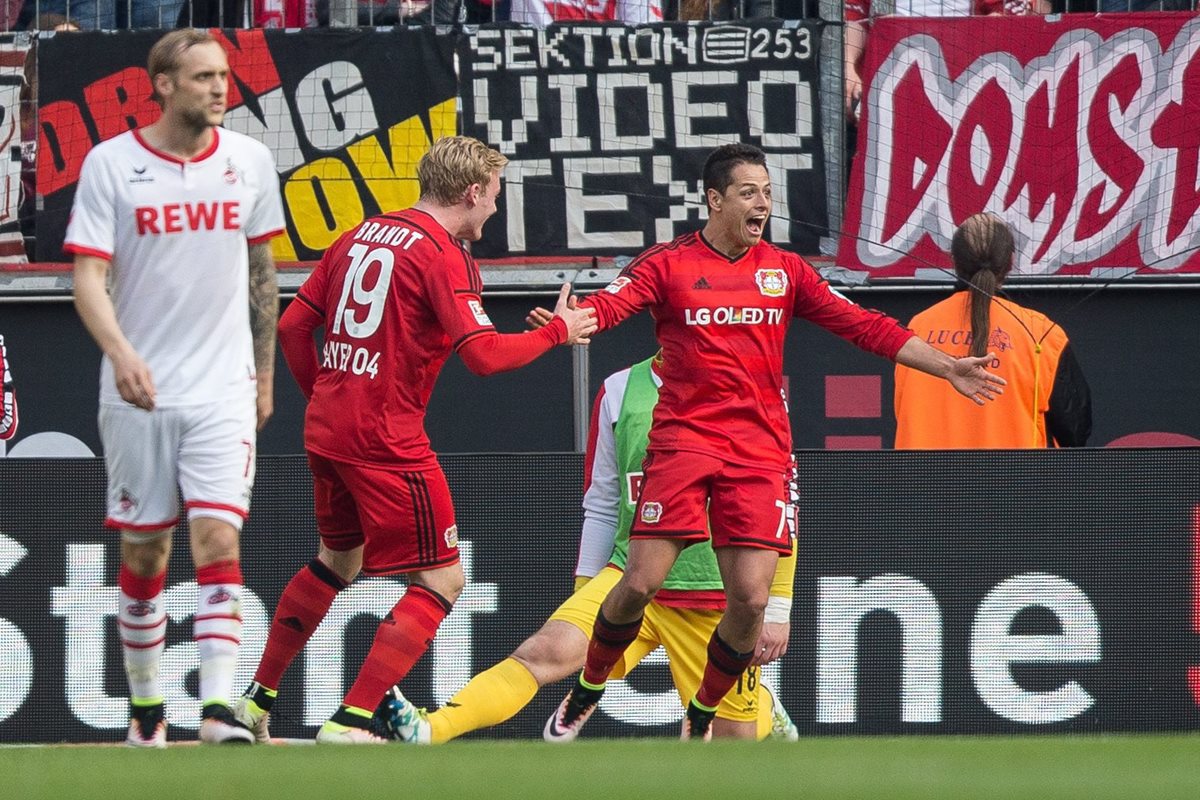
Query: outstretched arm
(491,352)
(968,375)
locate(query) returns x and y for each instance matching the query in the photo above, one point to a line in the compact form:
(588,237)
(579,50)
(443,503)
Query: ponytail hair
(982,251)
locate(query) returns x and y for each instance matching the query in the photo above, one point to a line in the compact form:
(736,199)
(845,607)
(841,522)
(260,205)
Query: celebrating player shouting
(396,295)
(722,300)
(681,619)
(189,353)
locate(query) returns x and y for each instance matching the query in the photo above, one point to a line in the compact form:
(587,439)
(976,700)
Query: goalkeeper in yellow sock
(681,619)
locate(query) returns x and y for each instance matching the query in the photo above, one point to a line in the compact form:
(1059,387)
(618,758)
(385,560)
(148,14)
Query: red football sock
(403,637)
(725,665)
(608,644)
(304,603)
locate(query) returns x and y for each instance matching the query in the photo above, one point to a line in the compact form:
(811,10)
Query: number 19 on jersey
(356,297)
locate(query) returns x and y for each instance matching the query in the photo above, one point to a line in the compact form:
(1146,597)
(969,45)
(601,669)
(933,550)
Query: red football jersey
(397,295)
(721,323)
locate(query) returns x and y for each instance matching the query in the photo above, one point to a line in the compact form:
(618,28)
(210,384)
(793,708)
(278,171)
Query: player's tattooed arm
(264,316)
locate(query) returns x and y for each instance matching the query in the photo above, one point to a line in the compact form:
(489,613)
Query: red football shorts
(403,520)
(687,495)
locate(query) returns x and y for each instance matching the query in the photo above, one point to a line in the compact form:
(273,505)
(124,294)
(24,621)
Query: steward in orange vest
(1046,402)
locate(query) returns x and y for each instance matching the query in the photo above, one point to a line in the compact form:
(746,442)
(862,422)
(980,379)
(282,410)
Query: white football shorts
(207,451)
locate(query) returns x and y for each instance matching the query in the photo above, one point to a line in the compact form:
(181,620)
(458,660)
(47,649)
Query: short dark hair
(719,166)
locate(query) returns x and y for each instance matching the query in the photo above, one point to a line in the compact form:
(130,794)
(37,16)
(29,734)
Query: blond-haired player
(396,295)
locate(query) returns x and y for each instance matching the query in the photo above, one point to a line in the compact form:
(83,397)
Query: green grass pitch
(1151,767)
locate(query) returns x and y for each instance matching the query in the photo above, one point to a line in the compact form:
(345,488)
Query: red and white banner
(1083,133)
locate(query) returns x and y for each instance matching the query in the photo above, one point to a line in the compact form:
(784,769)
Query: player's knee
(548,657)
(345,564)
(147,555)
(453,590)
(447,582)
(146,565)
(213,540)
(748,605)
(634,591)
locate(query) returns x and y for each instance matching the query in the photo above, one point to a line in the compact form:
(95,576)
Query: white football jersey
(176,234)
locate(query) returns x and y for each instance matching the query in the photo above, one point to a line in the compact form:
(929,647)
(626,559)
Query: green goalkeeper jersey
(696,569)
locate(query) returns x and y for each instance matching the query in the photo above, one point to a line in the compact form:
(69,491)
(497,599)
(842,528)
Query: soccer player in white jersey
(181,213)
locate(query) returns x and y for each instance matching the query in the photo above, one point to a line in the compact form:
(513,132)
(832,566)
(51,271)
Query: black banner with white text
(607,128)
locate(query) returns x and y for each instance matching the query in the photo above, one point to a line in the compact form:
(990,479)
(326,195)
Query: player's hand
(581,322)
(538,318)
(969,376)
(772,642)
(133,379)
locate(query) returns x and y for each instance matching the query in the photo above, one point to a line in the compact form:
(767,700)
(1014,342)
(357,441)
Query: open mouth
(755,225)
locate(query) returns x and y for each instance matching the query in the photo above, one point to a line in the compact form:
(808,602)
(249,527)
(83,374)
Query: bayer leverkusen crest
(771,282)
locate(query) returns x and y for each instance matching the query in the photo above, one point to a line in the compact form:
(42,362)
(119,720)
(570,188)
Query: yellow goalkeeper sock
(766,705)
(488,699)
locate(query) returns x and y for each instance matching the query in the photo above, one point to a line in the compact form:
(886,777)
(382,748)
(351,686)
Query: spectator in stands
(725,9)
(108,14)
(10,14)
(85,14)
(543,12)
(1119,6)
(210,13)
(369,13)
(156,14)
(1047,402)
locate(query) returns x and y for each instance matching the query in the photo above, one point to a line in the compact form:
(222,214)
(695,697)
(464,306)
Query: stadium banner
(15,132)
(607,128)
(1060,594)
(1080,131)
(345,141)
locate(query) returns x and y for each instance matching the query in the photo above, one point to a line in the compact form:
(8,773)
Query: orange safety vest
(931,415)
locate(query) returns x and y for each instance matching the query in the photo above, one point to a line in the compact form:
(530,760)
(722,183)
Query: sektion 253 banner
(607,128)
